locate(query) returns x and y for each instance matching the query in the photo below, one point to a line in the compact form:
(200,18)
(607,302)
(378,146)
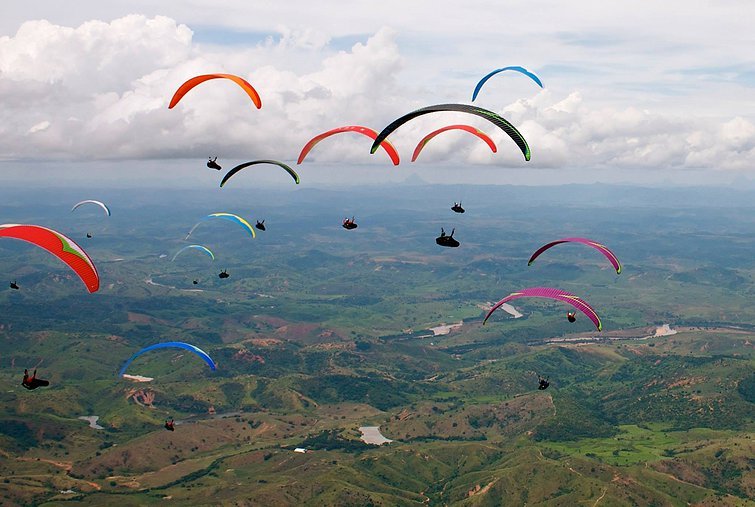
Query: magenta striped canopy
(551,293)
(601,248)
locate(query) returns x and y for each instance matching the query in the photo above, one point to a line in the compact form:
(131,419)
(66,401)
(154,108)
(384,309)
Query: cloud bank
(100,90)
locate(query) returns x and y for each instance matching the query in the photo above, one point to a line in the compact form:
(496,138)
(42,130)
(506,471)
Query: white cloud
(100,91)
(39,127)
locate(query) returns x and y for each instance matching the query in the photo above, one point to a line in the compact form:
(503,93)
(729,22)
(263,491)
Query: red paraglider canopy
(366,131)
(58,245)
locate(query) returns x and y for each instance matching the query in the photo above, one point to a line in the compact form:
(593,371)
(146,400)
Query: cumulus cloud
(100,91)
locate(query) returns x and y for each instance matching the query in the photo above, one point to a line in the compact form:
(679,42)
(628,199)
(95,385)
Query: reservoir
(372,435)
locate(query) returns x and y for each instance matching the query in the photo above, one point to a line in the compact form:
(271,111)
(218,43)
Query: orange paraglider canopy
(191,83)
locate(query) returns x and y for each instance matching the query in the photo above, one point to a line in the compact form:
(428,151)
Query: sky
(642,92)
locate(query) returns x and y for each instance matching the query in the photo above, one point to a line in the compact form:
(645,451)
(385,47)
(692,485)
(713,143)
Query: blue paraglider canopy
(493,73)
(181,345)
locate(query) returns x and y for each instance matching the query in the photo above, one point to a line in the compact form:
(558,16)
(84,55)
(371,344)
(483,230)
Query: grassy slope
(323,336)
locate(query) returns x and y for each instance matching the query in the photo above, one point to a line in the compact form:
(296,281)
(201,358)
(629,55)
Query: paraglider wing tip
(618,270)
(374,148)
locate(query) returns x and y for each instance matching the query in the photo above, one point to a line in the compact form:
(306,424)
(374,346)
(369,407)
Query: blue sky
(643,92)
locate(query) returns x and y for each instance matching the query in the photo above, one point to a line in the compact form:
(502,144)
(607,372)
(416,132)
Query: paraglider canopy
(90,201)
(493,73)
(197,80)
(225,216)
(58,245)
(584,241)
(239,167)
(386,145)
(198,248)
(181,345)
(466,128)
(492,117)
(551,293)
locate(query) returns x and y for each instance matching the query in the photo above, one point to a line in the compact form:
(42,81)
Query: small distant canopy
(199,248)
(584,241)
(91,201)
(225,216)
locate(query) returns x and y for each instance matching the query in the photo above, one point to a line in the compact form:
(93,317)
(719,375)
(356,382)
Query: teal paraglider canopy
(200,248)
(181,345)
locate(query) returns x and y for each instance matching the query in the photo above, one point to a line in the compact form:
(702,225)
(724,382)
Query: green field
(319,331)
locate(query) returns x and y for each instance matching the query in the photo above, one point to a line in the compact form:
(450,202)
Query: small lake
(92,420)
(664,330)
(372,435)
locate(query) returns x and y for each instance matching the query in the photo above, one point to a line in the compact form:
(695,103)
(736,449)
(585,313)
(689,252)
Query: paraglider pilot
(223,274)
(33,382)
(349,223)
(260,225)
(543,383)
(212,164)
(169,425)
(572,316)
(13,285)
(447,240)
(457,207)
